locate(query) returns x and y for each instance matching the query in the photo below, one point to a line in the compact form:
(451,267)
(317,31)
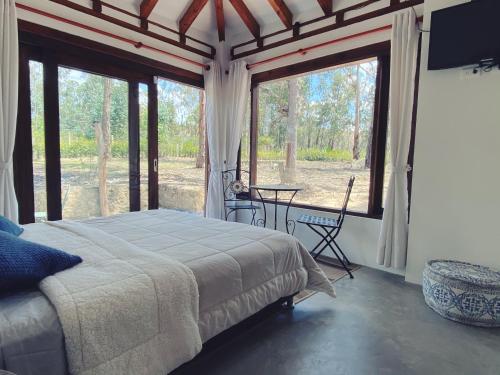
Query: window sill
(323,209)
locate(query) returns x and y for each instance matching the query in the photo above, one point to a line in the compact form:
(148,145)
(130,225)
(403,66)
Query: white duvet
(156,284)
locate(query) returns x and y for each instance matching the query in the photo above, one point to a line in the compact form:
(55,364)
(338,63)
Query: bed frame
(284,304)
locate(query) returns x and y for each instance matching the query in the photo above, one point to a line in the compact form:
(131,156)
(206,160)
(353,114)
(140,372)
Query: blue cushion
(23,264)
(8,226)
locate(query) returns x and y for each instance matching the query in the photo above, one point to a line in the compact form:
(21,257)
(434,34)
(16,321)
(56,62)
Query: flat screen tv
(466,34)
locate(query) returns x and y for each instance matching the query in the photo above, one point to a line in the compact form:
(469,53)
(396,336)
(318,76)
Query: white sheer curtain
(237,91)
(9,56)
(216,134)
(226,103)
(393,240)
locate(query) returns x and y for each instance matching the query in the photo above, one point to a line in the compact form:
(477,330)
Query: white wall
(456,183)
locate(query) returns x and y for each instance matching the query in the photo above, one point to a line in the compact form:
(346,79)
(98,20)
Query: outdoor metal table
(277,189)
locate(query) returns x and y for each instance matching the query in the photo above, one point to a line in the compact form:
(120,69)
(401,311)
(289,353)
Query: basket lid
(466,272)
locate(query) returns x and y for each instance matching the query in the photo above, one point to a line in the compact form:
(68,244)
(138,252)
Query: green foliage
(325,110)
(81,107)
(312,154)
(119,148)
(78,148)
(178,147)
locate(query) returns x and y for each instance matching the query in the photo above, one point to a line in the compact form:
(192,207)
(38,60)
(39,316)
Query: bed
(153,287)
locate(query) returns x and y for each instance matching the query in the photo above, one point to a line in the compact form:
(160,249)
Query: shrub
(311,154)
(119,148)
(79,147)
(314,154)
(178,148)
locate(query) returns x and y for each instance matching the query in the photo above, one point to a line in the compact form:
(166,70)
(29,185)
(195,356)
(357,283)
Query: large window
(317,129)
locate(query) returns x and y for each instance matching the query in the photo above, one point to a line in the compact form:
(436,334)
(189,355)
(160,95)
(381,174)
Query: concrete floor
(377,325)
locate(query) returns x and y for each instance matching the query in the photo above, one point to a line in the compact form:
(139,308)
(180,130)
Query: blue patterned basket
(464,292)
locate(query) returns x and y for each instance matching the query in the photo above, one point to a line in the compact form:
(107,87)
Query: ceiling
(204,27)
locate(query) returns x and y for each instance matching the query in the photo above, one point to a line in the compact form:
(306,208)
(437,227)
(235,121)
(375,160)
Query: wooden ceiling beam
(133,27)
(267,44)
(283,12)
(97,5)
(247,17)
(190,15)
(219,13)
(327,6)
(147,7)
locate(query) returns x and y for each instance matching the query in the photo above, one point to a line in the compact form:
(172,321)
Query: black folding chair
(331,228)
(236,194)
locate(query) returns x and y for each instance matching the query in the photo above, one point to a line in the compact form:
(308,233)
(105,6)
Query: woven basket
(463,292)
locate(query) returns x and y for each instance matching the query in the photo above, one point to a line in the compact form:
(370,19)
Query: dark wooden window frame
(381,51)
(56,49)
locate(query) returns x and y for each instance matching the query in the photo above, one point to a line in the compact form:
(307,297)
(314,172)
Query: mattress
(31,337)
(239,269)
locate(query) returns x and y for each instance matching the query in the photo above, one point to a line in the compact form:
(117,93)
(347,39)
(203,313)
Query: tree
(291,142)
(102,132)
(357,116)
(200,159)
(368,157)
(367,113)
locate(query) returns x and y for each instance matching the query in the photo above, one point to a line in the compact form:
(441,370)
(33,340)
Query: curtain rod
(304,51)
(136,44)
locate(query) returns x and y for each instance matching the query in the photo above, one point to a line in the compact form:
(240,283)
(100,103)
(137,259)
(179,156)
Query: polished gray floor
(377,325)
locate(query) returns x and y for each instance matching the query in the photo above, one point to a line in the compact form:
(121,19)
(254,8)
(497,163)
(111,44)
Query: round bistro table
(276,189)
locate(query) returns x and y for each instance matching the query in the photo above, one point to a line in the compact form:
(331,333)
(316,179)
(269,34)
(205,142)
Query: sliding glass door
(93,112)
(97,140)
(144,145)
(181,147)
(38,140)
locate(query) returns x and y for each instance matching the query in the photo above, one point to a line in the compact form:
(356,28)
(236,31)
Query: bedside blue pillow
(23,264)
(8,226)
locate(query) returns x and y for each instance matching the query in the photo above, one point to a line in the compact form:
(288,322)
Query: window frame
(380,51)
(56,49)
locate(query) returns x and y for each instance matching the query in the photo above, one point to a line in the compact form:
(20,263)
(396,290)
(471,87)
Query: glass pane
(38,139)
(315,131)
(181,147)
(143,118)
(94,144)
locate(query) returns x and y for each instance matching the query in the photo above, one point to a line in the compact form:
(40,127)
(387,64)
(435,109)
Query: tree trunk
(355,147)
(200,159)
(368,157)
(102,132)
(291,142)
(318,138)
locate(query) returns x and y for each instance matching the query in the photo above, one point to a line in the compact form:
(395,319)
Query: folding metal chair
(331,228)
